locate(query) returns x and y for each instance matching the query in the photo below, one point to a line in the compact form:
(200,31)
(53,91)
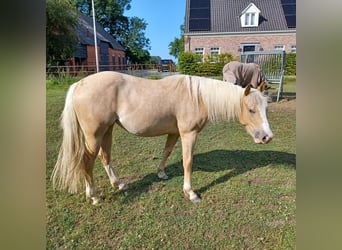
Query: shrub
(191,64)
(290,68)
(188,63)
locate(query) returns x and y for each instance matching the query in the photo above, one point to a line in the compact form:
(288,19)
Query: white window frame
(214,51)
(200,51)
(279,47)
(293,49)
(250,19)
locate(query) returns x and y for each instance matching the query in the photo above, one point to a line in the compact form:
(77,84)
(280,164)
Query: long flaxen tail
(68,172)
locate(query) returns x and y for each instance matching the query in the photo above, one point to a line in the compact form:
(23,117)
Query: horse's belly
(148,126)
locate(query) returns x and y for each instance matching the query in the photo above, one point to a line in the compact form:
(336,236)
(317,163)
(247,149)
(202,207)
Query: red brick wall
(116,53)
(231,44)
(91,60)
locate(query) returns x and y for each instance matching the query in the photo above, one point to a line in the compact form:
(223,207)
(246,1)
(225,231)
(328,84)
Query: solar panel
(288,1)
(289,8)
(291,21)
(199,19)
(199,25)
(199,3)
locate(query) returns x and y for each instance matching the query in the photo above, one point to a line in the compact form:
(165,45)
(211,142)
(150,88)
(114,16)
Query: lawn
(248,191)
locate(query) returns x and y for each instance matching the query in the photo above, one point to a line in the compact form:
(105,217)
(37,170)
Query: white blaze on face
(253,116)
(265,123)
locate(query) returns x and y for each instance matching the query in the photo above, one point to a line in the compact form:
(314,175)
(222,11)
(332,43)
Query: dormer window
(250,19)
(250,16)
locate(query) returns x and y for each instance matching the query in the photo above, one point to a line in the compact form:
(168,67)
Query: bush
(290,68)
(209,69)
(188,63)
(191,64)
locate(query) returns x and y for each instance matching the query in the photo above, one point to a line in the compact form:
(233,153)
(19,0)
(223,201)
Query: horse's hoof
(123,186)
(96,200)
(163,176)
(192,196)
(195,199)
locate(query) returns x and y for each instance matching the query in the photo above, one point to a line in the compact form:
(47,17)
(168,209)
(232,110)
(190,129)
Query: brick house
(235,26)
(111,54)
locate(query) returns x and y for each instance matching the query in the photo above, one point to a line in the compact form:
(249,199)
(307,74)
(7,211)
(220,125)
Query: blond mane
(222,99)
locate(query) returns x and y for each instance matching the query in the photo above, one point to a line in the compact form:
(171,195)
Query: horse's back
(142,106)
(243,73)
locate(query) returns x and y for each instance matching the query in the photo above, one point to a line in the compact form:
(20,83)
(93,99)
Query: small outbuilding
(111,54)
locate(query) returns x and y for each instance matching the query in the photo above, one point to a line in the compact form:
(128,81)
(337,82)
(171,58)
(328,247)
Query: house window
(214,55)
(279,47)
(250,16)
(249,47)
(293,49)
(250,19)
(199,51)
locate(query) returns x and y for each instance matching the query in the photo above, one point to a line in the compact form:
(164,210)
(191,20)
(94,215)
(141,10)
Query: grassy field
(248,191)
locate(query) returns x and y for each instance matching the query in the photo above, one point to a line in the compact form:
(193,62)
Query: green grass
(248,191)
(289,88)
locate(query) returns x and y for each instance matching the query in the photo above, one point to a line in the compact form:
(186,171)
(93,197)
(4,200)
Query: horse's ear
(248,89)
(262,86)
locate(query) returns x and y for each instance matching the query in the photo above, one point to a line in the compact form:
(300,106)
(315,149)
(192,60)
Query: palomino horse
(178,106)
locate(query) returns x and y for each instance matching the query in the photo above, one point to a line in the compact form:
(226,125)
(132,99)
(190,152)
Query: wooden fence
(84,70)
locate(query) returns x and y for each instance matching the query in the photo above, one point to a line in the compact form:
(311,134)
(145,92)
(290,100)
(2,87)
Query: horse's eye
(251,111)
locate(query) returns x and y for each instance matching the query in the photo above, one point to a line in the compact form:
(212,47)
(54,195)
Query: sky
(164,19)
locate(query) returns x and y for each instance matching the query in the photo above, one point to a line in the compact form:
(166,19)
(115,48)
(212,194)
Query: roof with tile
(86,23)
(225,16)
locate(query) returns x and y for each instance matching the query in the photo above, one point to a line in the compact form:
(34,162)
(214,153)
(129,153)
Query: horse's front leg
(188,145)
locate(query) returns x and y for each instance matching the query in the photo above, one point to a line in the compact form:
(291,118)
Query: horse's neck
(222,99)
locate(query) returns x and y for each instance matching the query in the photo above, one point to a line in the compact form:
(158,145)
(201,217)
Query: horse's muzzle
(262,137)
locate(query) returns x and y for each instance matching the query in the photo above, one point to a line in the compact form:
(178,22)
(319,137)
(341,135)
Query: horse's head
(253,114)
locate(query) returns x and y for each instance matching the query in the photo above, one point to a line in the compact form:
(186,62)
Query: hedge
(290,68)
(192,64)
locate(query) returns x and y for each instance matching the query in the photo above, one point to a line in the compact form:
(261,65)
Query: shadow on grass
(238,161)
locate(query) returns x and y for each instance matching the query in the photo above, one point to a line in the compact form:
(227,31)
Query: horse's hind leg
(105,155)
(89,159)
(170,143)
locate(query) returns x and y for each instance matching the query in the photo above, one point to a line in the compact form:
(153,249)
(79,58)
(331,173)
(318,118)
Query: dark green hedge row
(192,64)
(290,68)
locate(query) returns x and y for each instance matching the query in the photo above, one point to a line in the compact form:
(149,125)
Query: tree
(61,41)
(155,59)
(135,42)
(128,31)
(110,14)
(177,45)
